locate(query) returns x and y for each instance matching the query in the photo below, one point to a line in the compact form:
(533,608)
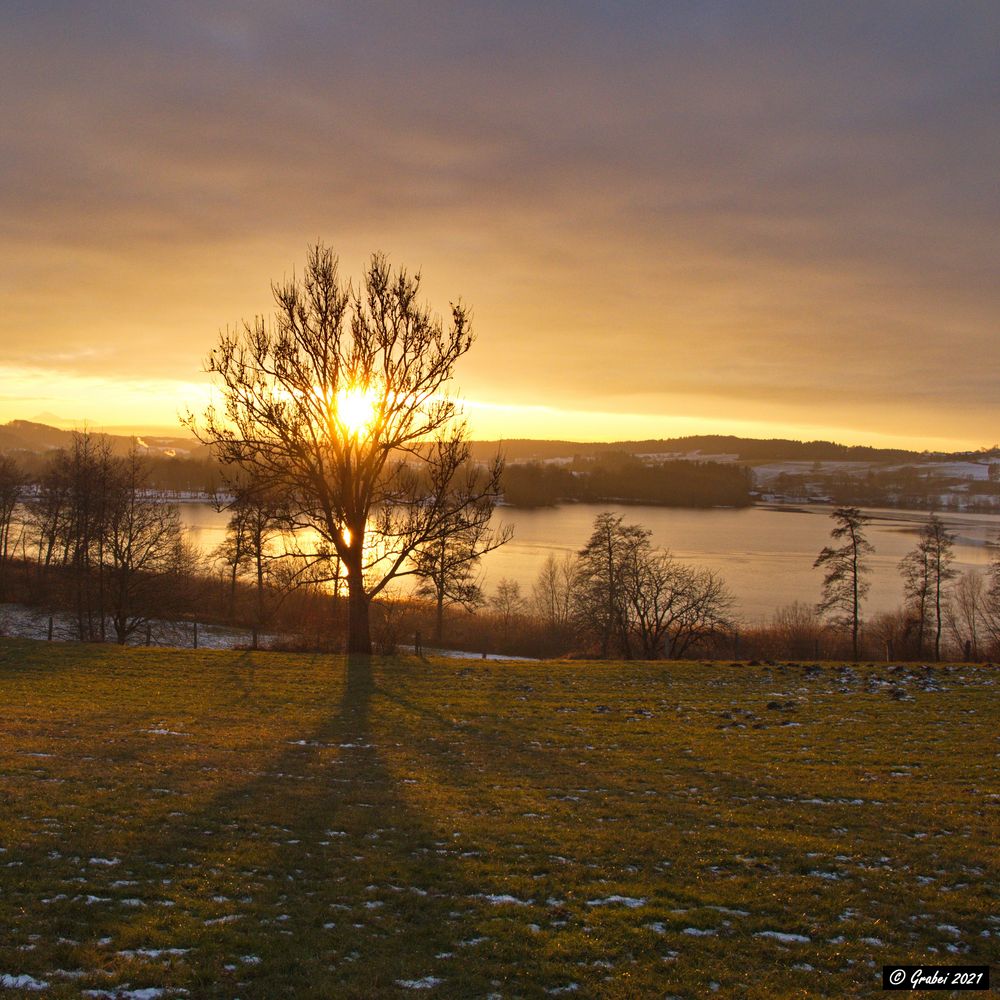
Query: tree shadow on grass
(307,875)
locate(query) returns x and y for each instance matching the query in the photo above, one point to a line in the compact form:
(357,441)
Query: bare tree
(47,511)
(894,630)
(552,592)
(990,611)
(705,610)
(915,569)
(600,599)
(448,564)
(926,571)
(670,606)
(12,483)
(641,599)
(232,554)
(508,604)
(965,613)
(84,473)
(844,584)
(255,522)
(935,551)
(797,629)
(654,596)
(338,407)
(142,548)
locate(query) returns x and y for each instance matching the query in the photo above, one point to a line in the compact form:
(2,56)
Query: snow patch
(153,952)
(22,982)
(783,937)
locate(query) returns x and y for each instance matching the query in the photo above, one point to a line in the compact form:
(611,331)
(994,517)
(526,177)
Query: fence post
(195,635)
(50,628)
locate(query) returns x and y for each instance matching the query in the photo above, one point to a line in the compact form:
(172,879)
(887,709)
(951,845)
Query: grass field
(208,824)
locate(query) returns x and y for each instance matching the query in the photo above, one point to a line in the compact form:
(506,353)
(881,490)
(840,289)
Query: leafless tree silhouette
(339,407)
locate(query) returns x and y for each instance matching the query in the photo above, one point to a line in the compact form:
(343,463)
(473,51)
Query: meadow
(226,824)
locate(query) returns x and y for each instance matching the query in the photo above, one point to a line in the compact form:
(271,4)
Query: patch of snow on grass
(153,952)
(783,937)
(9,982)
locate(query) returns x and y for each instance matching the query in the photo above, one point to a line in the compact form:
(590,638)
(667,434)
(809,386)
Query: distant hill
(23,435)
(29,436)
(709,445)
(35,438)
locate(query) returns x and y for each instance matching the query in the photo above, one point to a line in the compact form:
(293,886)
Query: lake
(765,553)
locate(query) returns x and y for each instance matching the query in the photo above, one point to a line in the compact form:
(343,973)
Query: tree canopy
(339,405)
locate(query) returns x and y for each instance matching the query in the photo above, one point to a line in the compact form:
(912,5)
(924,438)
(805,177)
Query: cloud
(776,208)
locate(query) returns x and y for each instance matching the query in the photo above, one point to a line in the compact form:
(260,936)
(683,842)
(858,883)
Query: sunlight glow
(356,408)
(112,403)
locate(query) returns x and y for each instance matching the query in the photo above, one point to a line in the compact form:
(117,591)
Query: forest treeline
(620,477)
(165,473)
(744,449)
(613,477)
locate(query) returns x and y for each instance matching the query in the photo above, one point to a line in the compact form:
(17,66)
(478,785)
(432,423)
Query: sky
(757,218)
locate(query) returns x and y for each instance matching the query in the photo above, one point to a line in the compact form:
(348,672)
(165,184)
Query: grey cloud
(790,195)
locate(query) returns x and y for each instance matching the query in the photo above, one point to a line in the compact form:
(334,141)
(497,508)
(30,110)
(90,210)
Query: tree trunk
(439,622)
(359,640)
(937,618)
(259,616)
(232,591)
(100,585)
(856,606)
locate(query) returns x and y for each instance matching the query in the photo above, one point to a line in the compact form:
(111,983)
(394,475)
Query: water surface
(765,553)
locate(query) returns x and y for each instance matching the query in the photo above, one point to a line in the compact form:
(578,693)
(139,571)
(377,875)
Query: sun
(356,408)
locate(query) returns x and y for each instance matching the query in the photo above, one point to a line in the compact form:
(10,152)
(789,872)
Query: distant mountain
(54,420)
(24,435)
(36,438)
